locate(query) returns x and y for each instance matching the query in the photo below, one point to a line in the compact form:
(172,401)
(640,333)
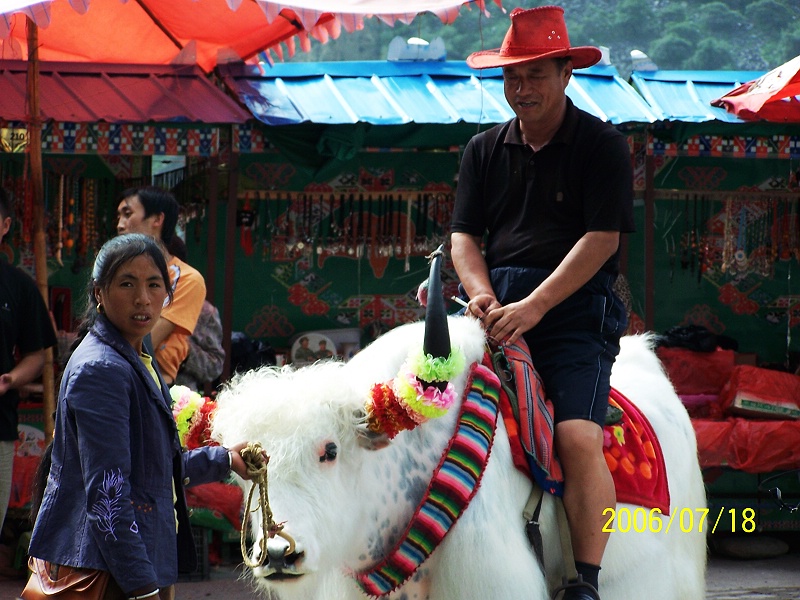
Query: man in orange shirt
(154,212)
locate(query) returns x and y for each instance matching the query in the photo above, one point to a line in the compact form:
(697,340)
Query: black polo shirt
(25,327)
(535,206)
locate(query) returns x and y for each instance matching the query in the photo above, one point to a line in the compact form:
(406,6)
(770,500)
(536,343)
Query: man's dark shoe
(582,593)
(578,590)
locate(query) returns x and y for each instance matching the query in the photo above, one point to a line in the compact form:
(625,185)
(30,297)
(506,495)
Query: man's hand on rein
(481,305)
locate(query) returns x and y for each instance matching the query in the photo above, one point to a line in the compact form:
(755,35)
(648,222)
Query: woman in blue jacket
(114,499)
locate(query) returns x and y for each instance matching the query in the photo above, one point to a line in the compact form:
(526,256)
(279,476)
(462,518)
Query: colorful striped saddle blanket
(630,446)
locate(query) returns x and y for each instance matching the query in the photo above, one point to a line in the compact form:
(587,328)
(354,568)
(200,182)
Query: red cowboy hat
(535,34)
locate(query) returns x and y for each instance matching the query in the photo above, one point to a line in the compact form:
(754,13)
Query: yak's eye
(330,452)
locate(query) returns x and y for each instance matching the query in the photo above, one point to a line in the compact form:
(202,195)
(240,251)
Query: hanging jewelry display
(373,231)
(326,242)
(727,244)
(760,244)
(740,253)
(368,225)
(792,227)
(382,243)
(702,240)
(270,225)
(774,230)
(359,235)
(685,241)
(340,225)
(72,216)
(350,229)
(247,222)
(278,238)
(388,239)
(325,225)
(91,216)
(59,210)
(310,223)
(758,233)
(397,212)
(27,208)
(293,243)
(407,266)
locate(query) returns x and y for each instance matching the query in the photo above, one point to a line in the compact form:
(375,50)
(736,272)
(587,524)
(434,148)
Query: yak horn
(437,333)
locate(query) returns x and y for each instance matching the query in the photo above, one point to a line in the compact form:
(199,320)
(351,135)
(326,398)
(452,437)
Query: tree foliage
(675,34)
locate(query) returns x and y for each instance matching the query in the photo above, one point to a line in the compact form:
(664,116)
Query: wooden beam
(39,234)
(649,244)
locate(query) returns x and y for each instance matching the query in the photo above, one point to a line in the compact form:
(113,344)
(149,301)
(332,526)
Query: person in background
(206,358)
(553,188)
(303,353)
(113,500)
(153,211)
(323,351)
(26,331)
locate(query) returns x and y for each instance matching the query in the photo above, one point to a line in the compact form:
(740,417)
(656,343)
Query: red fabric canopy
(204,32)
(771,97)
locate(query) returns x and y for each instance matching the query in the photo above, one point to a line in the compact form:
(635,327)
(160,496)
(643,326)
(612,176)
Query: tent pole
(211,251)
(213,221)
(649,243)
(39,237)
(230,253)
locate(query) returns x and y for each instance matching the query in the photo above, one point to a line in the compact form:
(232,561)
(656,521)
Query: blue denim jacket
(108,503)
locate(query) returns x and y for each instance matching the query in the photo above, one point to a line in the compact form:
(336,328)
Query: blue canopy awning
(686,95)
(398,93)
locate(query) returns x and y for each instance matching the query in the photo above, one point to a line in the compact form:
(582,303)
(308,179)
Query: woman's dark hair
(116,252)
(177,247)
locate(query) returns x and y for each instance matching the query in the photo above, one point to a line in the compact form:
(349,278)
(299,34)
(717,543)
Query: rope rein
(253,457)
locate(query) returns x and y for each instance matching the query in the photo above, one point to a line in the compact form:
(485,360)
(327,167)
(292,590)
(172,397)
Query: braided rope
(253,457)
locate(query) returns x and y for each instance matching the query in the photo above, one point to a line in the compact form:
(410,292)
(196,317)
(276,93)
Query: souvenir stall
(105,128)
(347,180)
(346,184)
(721,247)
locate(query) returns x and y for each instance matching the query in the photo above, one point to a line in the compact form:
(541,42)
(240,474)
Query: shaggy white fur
(347,512)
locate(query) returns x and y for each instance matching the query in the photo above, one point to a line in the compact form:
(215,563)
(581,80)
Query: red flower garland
(386,414)
(200,433)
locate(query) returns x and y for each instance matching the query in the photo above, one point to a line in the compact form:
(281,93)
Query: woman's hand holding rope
(249,461)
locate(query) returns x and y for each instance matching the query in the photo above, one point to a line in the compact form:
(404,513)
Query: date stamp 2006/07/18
(639,520)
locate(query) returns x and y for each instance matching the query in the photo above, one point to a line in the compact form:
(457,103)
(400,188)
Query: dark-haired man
(153,211)
(26,331)
(552,189)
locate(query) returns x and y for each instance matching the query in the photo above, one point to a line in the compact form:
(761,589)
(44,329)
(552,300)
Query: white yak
(345,505)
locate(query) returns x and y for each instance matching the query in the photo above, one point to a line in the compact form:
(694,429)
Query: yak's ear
(366,438)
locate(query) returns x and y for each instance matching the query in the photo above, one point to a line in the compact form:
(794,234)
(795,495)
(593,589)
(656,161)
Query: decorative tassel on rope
(60,213)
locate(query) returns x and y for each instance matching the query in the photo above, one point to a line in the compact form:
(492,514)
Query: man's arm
(586,258)
(26,370)
(471,268)
(162,330)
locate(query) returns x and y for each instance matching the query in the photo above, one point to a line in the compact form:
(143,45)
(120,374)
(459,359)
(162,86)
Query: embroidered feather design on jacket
(107,507)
